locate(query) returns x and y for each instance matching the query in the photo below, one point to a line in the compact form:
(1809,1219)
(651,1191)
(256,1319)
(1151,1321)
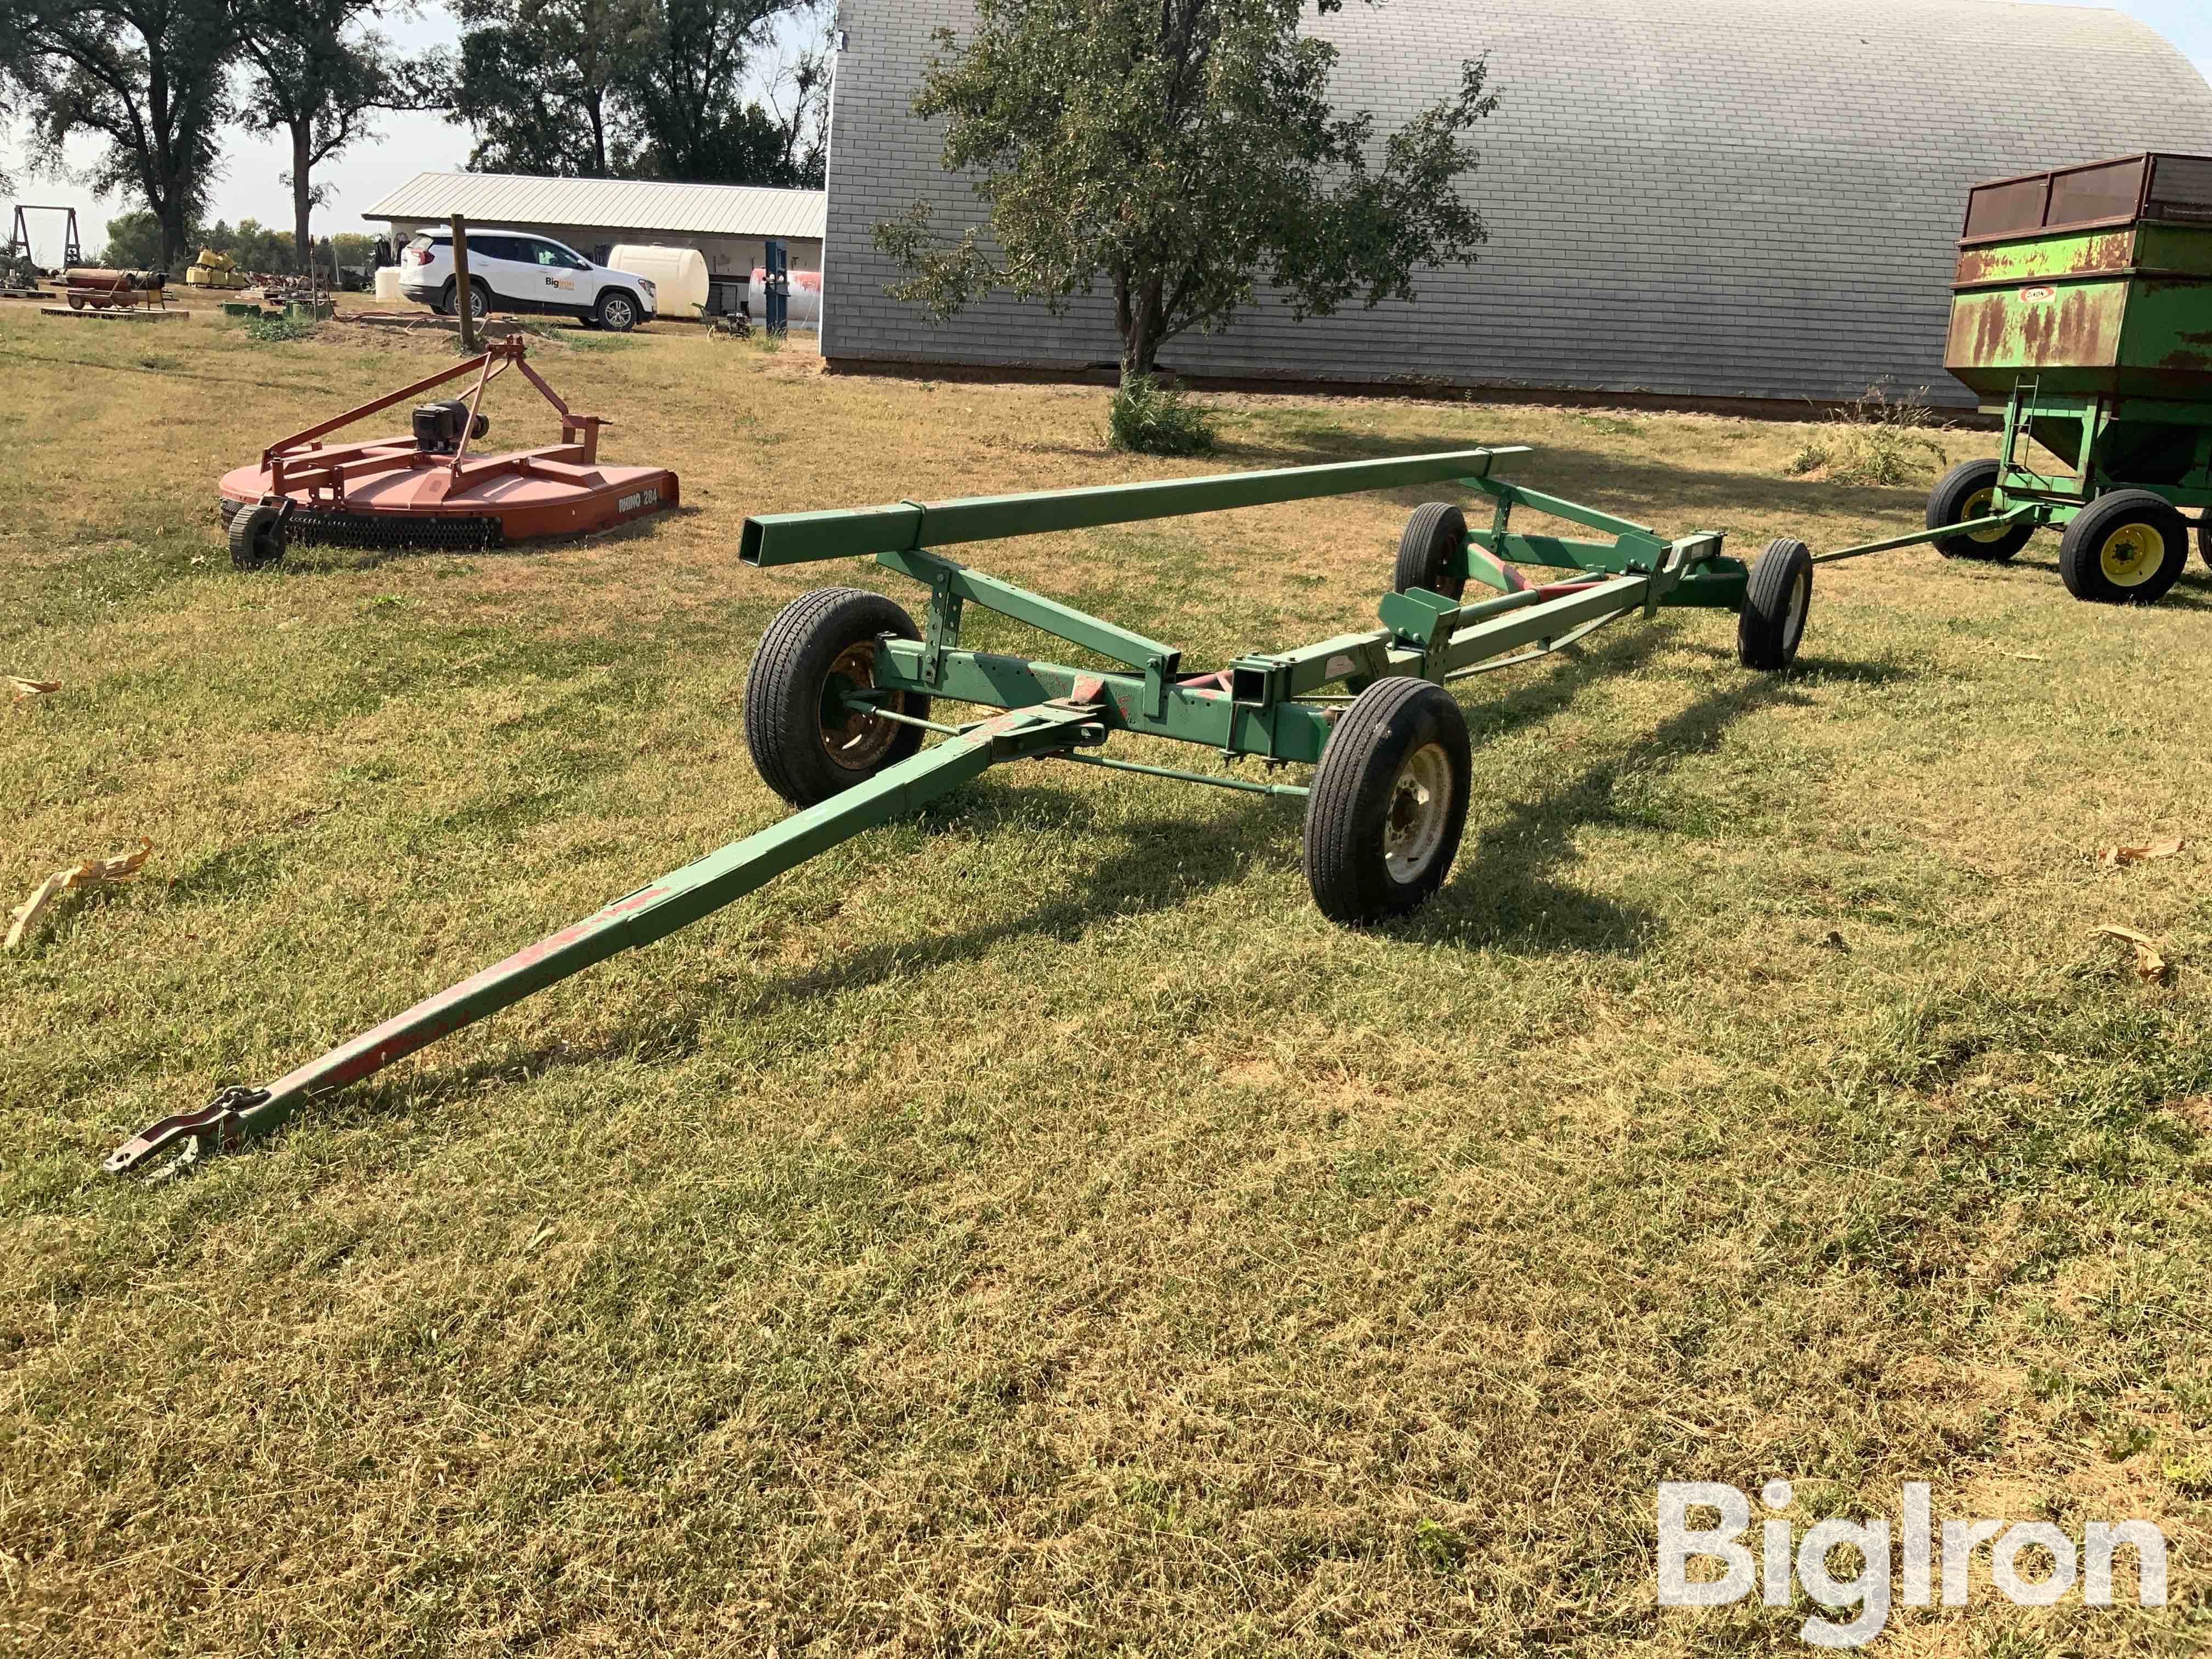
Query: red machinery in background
(425,490)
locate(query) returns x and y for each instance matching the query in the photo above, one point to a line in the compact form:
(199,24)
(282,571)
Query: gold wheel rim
(1980,505)
(2131,555)
(857,740)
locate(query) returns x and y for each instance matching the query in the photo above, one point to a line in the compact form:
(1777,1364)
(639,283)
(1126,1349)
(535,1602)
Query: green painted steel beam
(1558,507)
(653,911)
(1282,731)
(776,538)
(1062,621)
(1921,538)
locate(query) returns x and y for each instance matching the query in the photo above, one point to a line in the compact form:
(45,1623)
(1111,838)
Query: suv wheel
(479,300)
(616,311)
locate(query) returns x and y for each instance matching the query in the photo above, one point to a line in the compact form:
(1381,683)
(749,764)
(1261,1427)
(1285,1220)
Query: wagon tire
(2126,548)
(257,538)
(76,303)
(2204,539)
(1429,549)
(819,646)
(1388,803)
(1967,491)
(1776,602)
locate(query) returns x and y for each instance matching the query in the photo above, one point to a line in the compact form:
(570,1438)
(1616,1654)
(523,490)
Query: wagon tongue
(653,911)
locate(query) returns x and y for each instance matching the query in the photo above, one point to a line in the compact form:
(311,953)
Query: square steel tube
(906,526)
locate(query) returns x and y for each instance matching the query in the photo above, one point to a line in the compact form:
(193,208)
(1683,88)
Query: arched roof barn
(1716,199)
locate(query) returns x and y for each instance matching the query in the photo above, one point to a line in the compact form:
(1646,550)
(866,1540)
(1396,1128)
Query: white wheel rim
(1801,598)
(1419,814)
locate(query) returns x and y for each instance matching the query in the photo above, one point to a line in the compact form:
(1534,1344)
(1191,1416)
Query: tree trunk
(591,103)
(302,193)
(170,216)
(1140,319)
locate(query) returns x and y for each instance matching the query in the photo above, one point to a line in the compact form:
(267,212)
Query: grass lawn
(1031,1227)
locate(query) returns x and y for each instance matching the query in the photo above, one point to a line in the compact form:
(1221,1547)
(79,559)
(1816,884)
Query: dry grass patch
(1030,1228)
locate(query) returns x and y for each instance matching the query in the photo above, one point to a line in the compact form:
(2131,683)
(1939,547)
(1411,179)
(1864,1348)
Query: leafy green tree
(149,78)
(1180,152)
(538,82)
(686,88)
(316,73)
(134,241)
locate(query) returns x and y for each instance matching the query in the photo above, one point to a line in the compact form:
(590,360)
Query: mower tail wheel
(2126,548)
(807,741)
(1969,491)
(1772,624)
(257,538)
(1388,803)
(1428,551)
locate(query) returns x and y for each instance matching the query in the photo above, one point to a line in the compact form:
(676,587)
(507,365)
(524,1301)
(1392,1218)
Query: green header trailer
(847,688)
(2082,306)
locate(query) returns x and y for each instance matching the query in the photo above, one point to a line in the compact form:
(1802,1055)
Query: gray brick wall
(1721,198)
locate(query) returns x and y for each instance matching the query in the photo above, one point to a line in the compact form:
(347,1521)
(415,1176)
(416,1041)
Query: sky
(403,145)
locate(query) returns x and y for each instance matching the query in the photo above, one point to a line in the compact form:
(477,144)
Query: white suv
(517,270)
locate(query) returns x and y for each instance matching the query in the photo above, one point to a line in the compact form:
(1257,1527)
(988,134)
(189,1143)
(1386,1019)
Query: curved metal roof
(1721,198)
(616,204)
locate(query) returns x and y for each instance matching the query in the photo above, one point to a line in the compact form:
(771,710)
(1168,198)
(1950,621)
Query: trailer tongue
(839,697)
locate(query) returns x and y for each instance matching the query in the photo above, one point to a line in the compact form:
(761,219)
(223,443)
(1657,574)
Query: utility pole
(463,295)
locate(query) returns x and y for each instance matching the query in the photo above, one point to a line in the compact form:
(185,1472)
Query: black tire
(814,637)
(226,509)
(2204,538)
(1963,493)
(257,538)
(1428,551)
(617,311)
(1776,602)
(1377,843)
(479,300)
(2126,548)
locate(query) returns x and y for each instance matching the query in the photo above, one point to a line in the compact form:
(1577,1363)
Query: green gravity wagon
(2083,305)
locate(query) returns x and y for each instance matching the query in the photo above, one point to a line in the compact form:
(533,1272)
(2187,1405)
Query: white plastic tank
(679,276)
(387,284)
(805,297)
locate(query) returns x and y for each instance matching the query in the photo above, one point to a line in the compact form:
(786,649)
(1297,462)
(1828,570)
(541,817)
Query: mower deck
(554,491)
(426,489)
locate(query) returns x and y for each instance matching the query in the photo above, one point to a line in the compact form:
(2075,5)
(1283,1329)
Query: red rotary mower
(425,490)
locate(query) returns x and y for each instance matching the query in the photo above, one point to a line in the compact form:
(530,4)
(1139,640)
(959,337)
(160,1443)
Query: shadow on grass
(1508,890)
(1505,892)
(1128,883)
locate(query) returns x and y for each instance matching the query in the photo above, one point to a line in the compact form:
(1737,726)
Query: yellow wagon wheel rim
(2131,555)
(1980,505)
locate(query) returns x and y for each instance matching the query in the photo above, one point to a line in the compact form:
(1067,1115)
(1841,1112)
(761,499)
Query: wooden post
(464,300)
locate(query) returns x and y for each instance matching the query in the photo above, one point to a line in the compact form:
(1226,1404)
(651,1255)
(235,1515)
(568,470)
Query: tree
(686,87)
(537,81)
(316,73)
(146,76)
(637,88)
(1179,151)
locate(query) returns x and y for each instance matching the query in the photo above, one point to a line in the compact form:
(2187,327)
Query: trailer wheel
(1428,551)
(2126,548)
(257,538)
(1388,803)
(807,743)
(1968,491)
(2204,539)
(1772,624)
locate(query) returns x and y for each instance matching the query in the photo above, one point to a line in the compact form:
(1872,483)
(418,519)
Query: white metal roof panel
(617,203)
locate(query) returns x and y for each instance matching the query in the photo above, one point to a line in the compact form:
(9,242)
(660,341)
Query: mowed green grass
(1030,1228)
